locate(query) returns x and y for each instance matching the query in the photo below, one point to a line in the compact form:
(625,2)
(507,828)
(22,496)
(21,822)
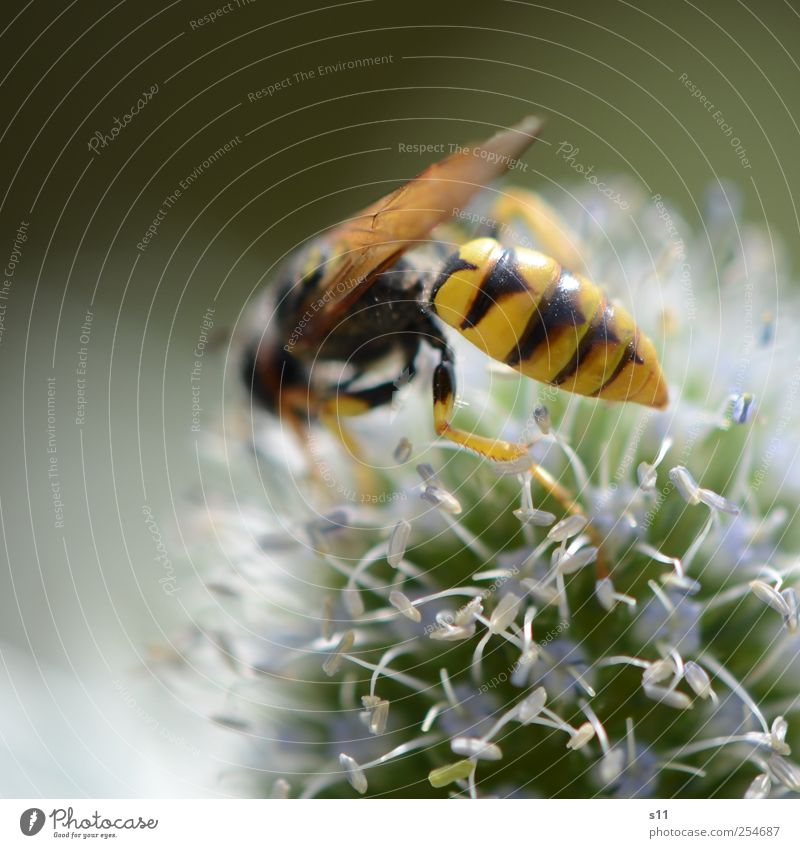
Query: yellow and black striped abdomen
(522,308)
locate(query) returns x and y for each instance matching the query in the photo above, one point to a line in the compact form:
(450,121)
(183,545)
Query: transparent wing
(371,241)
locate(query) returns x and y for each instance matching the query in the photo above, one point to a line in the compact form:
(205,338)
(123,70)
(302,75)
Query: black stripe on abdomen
(630,355)
(453,264)
(601,331)
(502,280)
(558,308)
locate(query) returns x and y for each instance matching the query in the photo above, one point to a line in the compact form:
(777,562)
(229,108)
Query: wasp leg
(293,410)
(539,219)
(444,397)
(496,449)
(564,497)
(444,400)
(347,403)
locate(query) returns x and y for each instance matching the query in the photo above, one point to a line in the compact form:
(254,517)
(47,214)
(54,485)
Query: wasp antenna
(530,125)
(504,148)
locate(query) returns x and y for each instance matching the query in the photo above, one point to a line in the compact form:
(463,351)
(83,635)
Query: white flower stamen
(646,471)
(759,788)
(530,707)
(582,736)
(334,662)
(403,605)
(733,684)
(612,765)
(778,736)
(623,660)
(683,767)
(376,713)
(718,502)
(398,541)
(694,494)
(698,679)
(504,613)
(658,671)
(607,597)
(354,773)
(686,485)
(475,749)
(682,582)
(402,453)
(449,692)
(670,697)
(654,553)
(662,597)
(426,472)
(600,731)
(743,407)
(477,658)
(784,771)
(466,615)
(441,499)
(412,682)
(569,563)
(790,596)
(431,715)
(353,602)
(447,632)
(534,517)
(766,594)
(281,789)
(567,527)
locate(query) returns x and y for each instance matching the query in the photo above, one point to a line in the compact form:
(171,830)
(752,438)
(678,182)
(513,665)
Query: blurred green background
(629,84)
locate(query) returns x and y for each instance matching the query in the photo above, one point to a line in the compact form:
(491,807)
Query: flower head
(616,616)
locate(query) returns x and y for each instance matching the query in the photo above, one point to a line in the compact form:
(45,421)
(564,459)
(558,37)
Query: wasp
(380,285)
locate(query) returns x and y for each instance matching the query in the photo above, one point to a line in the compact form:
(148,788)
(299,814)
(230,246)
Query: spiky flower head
(616,617)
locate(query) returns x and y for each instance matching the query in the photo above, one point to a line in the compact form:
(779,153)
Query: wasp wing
(370,242)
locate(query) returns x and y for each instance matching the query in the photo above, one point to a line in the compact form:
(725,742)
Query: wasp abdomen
(522,308)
